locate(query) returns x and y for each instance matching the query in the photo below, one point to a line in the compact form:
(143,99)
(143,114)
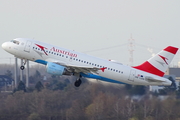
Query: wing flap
(84,69)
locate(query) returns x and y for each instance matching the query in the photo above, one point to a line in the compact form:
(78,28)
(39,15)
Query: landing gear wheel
(78,83)
(22,67)
(23,63)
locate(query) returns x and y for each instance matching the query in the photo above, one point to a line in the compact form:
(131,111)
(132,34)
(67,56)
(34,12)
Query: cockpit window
(15,42)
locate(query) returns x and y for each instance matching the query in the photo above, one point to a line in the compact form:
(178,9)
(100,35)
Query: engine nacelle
(55,69)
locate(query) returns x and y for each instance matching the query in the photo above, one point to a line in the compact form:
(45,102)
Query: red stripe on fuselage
(147,67)
(171,49)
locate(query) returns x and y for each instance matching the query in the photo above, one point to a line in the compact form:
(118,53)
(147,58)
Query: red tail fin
(158,64)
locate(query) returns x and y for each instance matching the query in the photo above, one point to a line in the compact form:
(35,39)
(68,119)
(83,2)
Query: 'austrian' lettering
(63,52)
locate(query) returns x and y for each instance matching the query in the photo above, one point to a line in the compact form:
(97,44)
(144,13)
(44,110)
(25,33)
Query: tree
(136,89)
(37,74)
(76,112)
(139,89)
(60,86)
(34,116)
(8,73)
(39,86)
(178,92)
(21,86)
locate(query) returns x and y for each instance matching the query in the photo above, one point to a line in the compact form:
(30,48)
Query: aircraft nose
(4,45)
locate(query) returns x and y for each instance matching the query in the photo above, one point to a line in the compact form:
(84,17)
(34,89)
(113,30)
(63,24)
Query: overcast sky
(97,27)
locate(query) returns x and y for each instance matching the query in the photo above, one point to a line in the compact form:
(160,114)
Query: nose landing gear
(23,64)
(22,67)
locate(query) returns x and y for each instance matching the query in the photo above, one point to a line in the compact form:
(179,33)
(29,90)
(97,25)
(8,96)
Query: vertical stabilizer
(158,64)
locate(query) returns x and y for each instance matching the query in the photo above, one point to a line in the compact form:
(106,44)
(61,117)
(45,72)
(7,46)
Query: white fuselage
(29,49)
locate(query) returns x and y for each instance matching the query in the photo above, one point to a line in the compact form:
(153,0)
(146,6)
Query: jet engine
(55,69)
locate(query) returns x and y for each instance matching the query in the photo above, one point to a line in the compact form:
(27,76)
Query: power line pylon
(131,47)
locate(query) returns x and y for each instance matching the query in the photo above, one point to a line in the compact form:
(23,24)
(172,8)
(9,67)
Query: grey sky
(85,25)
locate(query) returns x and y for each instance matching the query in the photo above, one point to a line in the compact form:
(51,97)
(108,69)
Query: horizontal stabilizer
(151,79)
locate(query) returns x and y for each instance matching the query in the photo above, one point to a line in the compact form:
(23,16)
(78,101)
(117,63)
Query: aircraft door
(132,75)
(27,46)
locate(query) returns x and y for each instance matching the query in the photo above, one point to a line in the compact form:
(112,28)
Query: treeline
(60,100)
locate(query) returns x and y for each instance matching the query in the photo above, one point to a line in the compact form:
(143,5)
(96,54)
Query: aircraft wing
(151,79)
(76,68)
(84,69)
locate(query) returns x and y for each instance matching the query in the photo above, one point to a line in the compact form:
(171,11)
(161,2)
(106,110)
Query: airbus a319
(61,61)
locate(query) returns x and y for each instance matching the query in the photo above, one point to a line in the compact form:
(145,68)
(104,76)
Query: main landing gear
(23,63)
(78,82)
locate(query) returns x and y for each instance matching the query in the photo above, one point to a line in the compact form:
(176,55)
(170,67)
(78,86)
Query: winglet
(103,69)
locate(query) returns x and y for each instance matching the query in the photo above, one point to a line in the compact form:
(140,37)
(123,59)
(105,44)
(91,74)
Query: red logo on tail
(165,59)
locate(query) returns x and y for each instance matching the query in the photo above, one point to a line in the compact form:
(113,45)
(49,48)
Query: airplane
(61,61)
